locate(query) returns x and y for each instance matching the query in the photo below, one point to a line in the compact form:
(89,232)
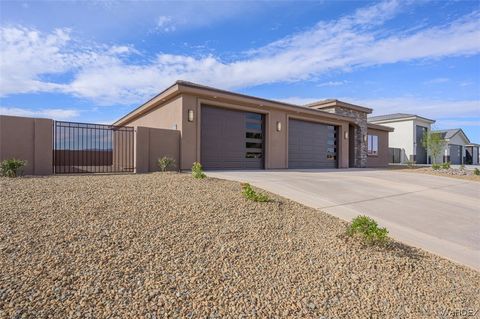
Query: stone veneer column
(360,119)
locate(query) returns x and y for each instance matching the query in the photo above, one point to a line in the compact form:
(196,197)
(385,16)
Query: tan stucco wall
(383,158)
(276,143)
(175,112)
(168,116)
(29,139)
(152,144)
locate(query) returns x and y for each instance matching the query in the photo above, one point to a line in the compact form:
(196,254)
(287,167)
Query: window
(254,126)
(254,135)
(254,116)
(254,145)
(372,145)
(331,142)
(254,155)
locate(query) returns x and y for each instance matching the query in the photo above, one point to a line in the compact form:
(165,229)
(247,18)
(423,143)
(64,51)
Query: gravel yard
(166,245)
(464,174)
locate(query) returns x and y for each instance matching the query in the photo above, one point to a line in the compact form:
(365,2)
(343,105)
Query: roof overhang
(401,119)
(465,137)
(183,87)
(333,103)
(380,127)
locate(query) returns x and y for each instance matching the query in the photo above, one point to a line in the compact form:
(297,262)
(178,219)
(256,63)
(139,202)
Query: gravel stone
(165,245)
(465,174)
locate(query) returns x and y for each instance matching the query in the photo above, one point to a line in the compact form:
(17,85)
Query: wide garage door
(231,139)
(455,154)
(311,145)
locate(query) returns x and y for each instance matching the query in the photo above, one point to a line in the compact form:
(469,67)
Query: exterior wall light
(190,115)
(345,135)
(279,126)
(365,138)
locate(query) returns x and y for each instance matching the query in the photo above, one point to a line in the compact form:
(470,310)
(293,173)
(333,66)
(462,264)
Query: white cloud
(447,124)
(333,83)
(165,24)
(432,108)
(57,114)
(465,83)
(437,81)
(107,74)
(26,54)
(299,100)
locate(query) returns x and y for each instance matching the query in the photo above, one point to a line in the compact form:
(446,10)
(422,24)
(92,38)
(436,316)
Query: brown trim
(181,87)
(333,103)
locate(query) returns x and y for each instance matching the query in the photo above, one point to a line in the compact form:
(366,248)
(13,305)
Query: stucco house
(227,130)
(472,154)
(405,141)
(456,142)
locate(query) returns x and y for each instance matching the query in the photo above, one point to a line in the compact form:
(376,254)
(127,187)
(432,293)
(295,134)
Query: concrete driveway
(439,214)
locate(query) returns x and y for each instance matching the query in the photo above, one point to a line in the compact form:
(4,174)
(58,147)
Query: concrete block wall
(154,143)
(29,139)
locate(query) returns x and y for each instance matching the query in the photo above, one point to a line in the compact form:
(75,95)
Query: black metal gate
(92,148)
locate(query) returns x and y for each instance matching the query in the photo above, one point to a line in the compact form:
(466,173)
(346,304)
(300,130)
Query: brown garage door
(231,139)
(311,145)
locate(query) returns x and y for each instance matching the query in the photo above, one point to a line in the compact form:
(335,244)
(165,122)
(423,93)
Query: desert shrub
(476,171)
(436,166)
(249,193)
(197,170)
(410,164)
(12,167)
(367,229)
(446,165)
(166,163)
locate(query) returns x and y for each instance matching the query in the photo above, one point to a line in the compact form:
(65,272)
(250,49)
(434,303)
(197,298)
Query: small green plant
(436,166)
(166,163)
(462,167)
(446,165)
(476,171)
(367,229)
(12,167)
(410,164)
(249,193)
(197,170)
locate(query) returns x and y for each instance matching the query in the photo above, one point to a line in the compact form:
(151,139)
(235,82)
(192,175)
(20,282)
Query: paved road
(439,214)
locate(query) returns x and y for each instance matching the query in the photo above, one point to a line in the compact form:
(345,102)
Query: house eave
(182,87)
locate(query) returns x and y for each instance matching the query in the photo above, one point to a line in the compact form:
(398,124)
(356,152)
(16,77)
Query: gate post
(142,146)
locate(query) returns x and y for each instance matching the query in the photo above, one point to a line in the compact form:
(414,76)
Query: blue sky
(94,61)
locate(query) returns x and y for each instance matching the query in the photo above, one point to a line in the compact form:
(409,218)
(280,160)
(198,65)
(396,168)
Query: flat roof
(181,86)
(380,127)
(334,102)
(398,116)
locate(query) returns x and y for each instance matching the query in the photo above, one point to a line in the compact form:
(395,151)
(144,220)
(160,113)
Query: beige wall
(122,156)
(276,156)
(152,144)
(168,116)
(383,157)
(29,139)
(175,112)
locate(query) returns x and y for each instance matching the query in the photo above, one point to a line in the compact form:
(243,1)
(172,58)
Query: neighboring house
(226,130)
(472,154)
(455,146)
(405,141)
